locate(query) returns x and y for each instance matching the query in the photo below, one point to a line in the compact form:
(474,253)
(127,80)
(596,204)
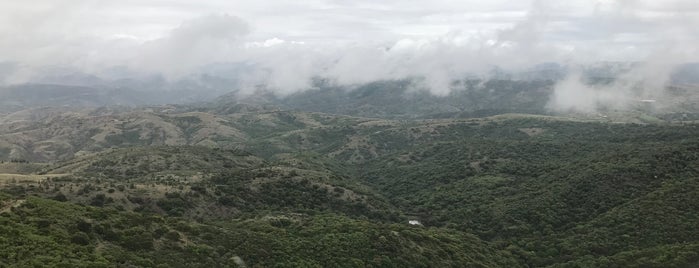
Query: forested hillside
(370,134)
(265,188)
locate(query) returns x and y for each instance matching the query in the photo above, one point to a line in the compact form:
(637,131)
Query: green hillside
(295,189)
(43,232)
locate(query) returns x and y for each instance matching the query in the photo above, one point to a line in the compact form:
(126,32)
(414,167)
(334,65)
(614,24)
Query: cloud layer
(285,44)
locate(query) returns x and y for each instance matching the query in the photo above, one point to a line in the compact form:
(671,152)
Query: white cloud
(350,41)
(193,44)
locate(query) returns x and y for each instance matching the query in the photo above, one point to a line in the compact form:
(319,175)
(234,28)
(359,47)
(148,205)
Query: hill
(543,191)
(65,234)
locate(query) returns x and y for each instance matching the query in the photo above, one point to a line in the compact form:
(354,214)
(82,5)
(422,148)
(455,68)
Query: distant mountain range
(501,91)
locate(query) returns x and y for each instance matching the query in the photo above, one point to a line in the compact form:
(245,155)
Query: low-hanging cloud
(661,47)
(363,42)
(194,43)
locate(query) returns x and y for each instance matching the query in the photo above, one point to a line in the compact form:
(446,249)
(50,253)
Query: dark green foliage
(80,238)
(106,238)
(130,137)
(174,204)
(544,197)
(316,190)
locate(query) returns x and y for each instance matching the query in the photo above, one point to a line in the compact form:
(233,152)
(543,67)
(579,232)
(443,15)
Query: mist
(282,46)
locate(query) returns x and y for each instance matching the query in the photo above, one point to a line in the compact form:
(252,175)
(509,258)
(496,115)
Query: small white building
(414,222)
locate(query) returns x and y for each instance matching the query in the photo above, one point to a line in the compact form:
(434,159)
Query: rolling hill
(262,186)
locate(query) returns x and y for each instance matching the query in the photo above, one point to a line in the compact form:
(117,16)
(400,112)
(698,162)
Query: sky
(284,43)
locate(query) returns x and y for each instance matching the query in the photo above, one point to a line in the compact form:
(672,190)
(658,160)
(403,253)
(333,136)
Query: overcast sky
(353,41)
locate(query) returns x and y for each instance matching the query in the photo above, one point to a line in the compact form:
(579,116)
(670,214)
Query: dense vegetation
(43,232)
(293,189)
(573,193)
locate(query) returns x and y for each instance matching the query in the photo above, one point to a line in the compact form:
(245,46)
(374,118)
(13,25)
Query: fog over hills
(325,133)
(543,89)
(221,47)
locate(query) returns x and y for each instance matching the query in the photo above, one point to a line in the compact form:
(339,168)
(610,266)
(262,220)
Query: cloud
(285,44)
(574,94)
(659,38)
(193,44)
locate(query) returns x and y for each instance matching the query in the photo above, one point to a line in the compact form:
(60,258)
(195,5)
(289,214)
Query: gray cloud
(286,43)
(659,37)
(194,43)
